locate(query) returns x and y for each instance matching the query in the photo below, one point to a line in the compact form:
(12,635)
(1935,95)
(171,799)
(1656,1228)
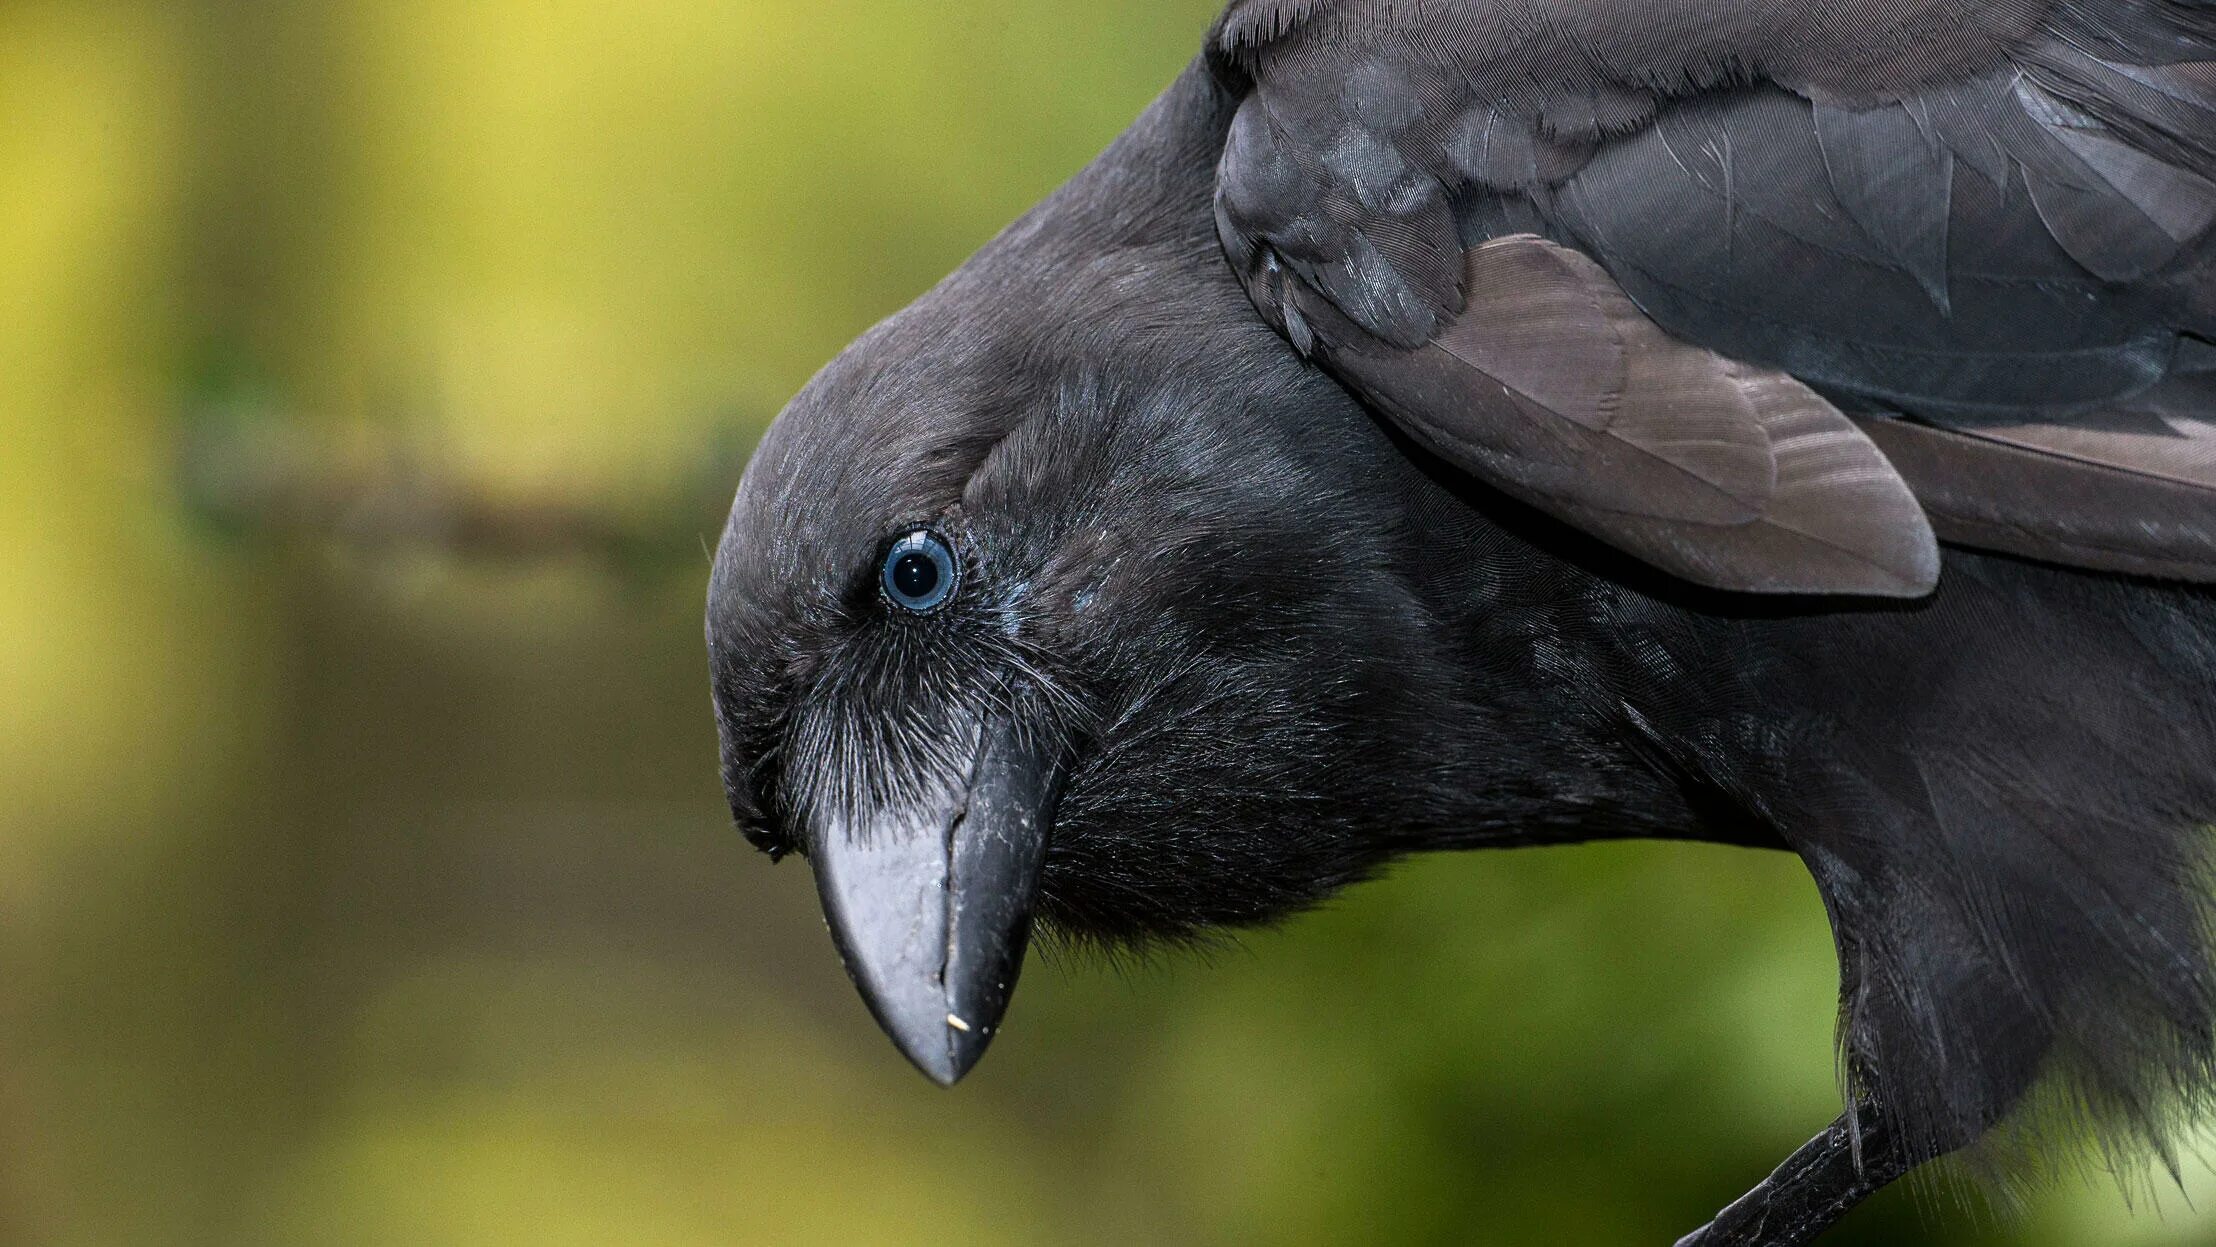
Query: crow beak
(931,905)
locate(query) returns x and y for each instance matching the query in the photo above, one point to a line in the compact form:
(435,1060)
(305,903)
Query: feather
(2025,327)
(2032,493)
(2120,212)
(1896,182)
(1553,387)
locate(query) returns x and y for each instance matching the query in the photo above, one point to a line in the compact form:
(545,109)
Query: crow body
(1249,605)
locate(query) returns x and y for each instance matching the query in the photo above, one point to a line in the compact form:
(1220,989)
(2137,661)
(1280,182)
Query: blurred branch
(267,477)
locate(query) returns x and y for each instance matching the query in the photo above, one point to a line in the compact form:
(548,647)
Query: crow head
(1075,592)
(1056,594)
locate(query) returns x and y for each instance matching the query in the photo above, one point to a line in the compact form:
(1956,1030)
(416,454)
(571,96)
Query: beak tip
(942,1073)
(944,1052)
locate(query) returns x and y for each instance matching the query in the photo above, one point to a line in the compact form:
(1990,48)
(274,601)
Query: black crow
(1495,422)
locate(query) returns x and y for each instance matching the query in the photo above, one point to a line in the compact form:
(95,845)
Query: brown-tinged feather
(2020,498)
(1556,389)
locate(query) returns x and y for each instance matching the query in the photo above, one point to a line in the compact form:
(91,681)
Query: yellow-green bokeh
(377,891)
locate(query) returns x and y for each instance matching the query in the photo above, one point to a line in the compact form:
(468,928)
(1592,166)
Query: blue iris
(919,572)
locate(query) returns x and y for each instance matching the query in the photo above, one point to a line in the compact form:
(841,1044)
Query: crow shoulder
(1986,222)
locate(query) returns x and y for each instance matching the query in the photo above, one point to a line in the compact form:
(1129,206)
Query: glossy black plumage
(1241,570)
(1988,217)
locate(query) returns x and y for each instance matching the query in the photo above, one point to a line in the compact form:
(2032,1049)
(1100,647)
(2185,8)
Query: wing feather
(1896,180)
(1985,225)
(1559,391)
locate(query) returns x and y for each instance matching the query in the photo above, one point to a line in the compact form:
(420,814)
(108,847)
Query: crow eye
(919,572)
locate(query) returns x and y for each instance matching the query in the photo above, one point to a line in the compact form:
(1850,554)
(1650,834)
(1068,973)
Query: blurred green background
(373,375)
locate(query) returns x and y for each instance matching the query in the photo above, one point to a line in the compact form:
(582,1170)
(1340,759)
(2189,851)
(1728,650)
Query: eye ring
(920,572)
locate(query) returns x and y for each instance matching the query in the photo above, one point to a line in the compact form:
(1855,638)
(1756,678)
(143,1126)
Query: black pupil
(915,575)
